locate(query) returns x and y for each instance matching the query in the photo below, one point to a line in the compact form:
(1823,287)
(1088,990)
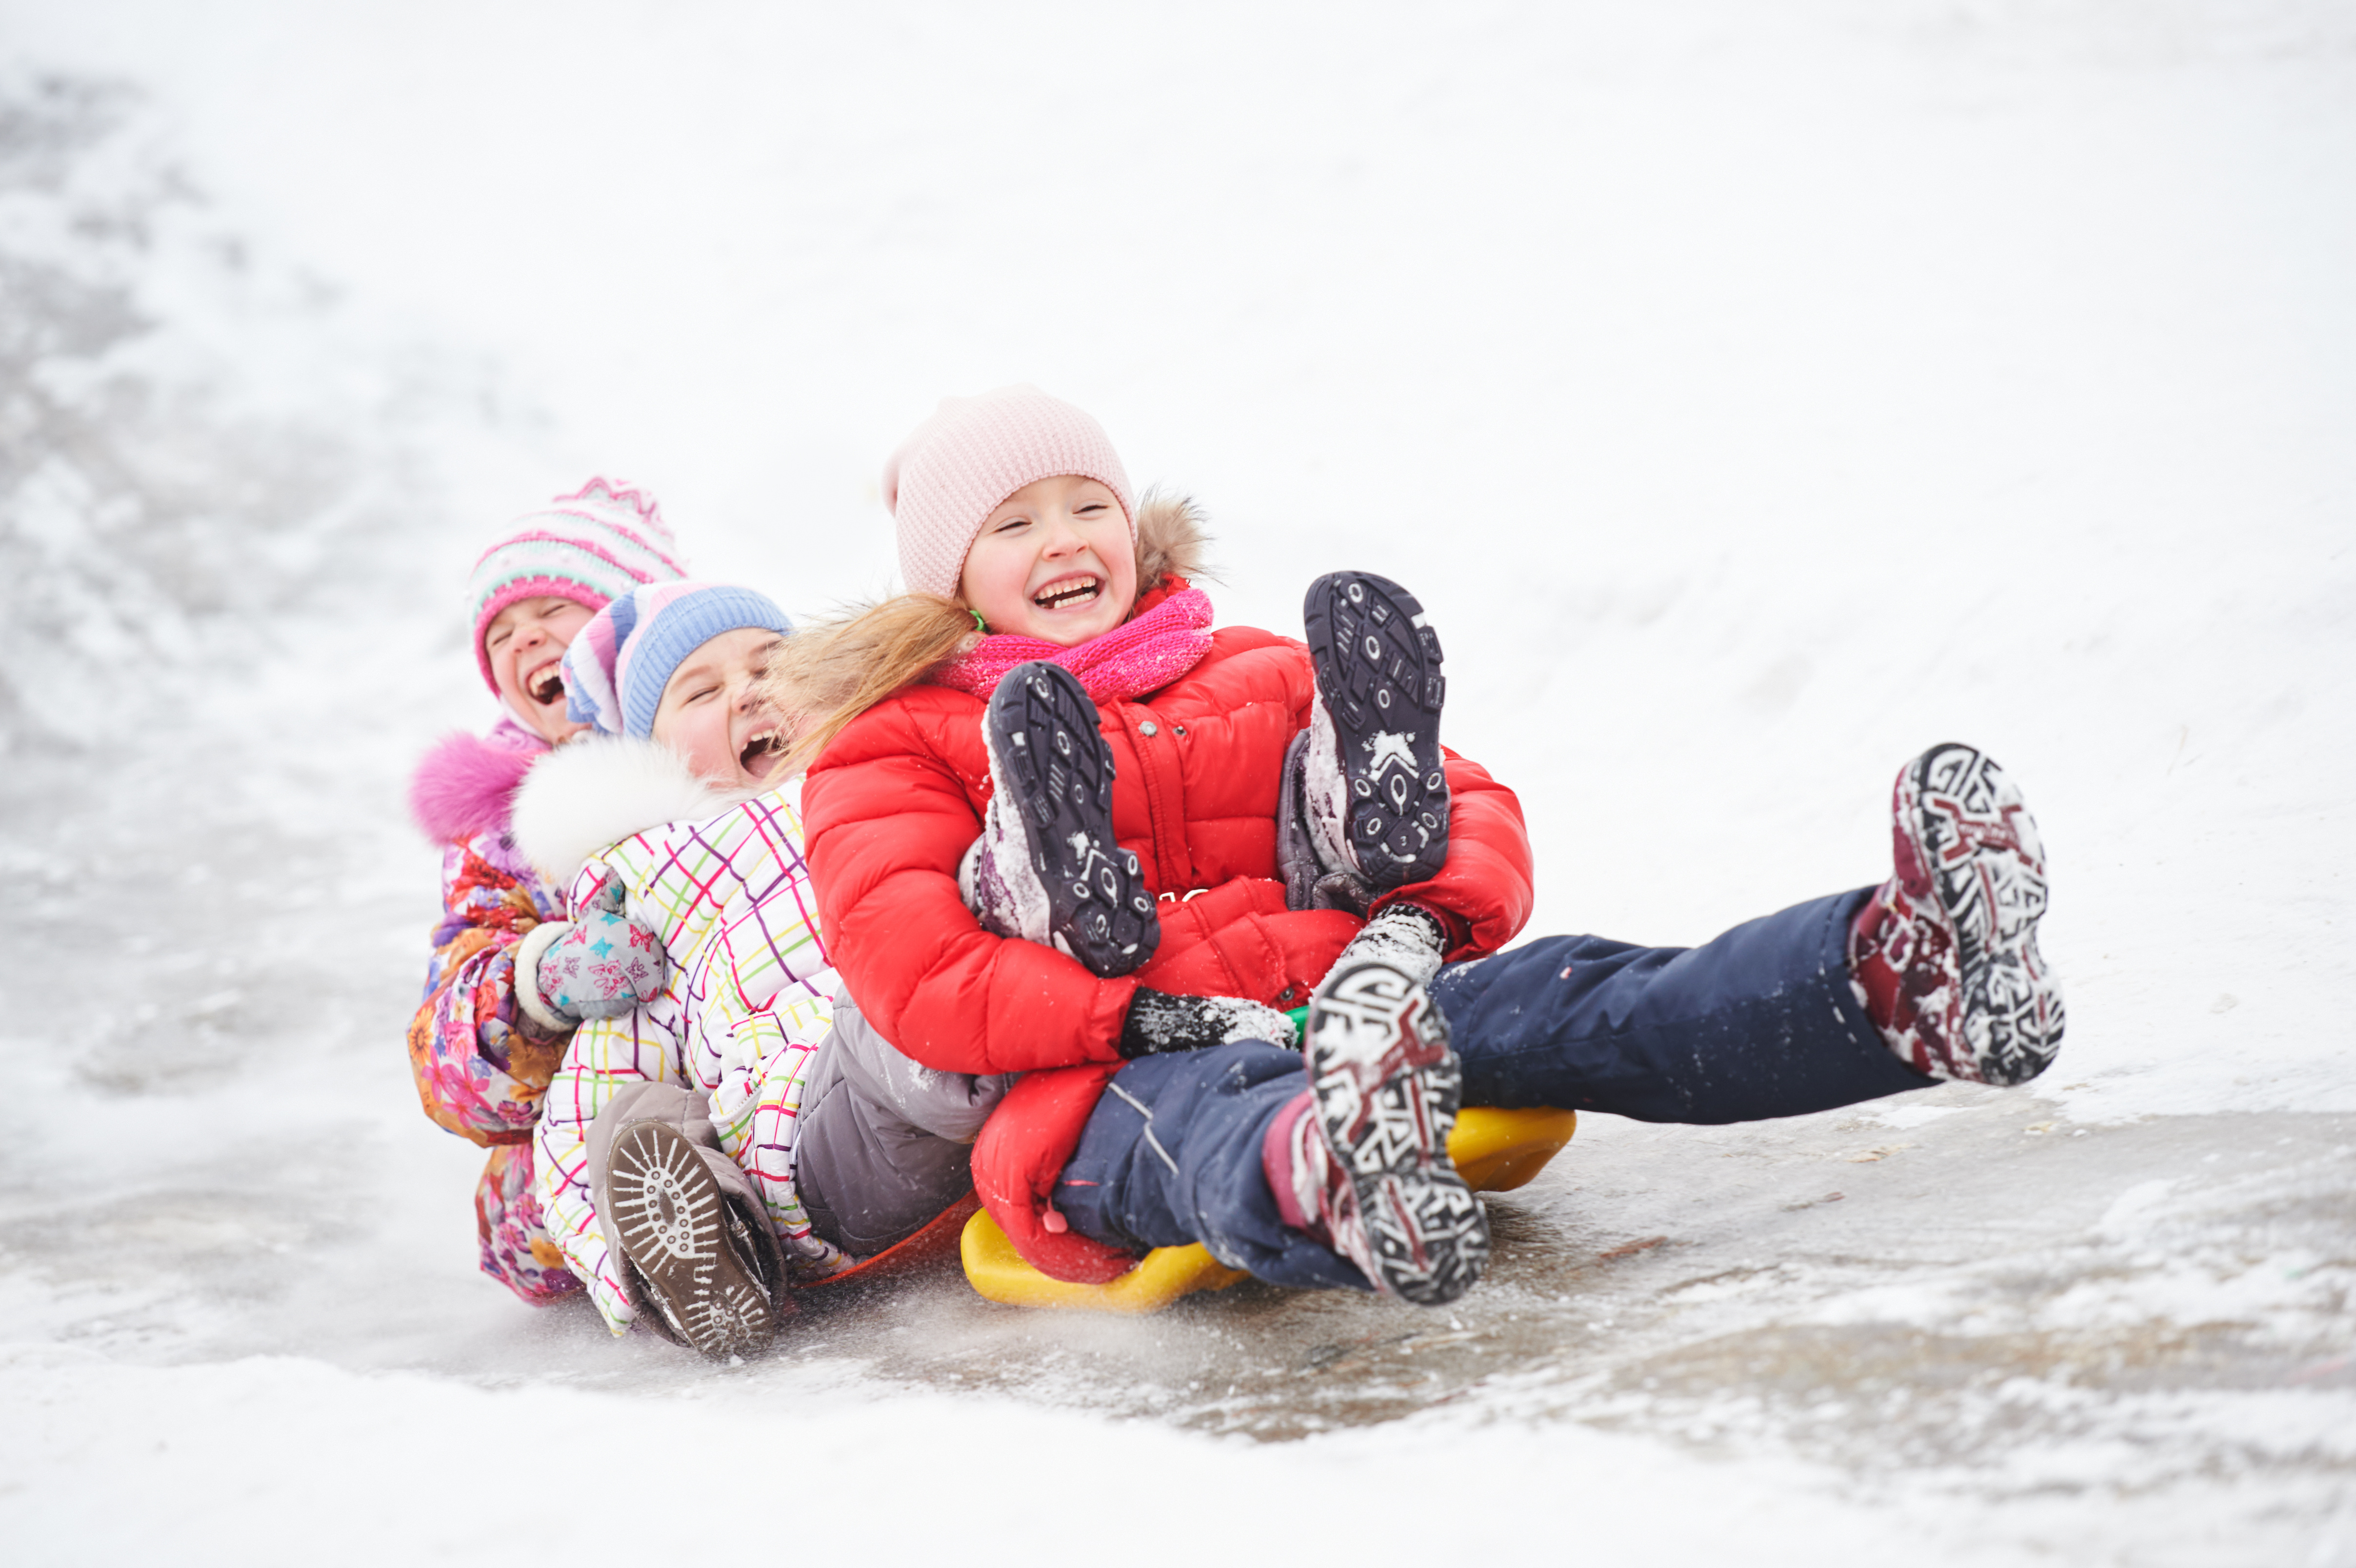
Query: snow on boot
(1945,954)
(1375,793)
(707,1264)
(1387,1090)
(1047,868)
(1405,936)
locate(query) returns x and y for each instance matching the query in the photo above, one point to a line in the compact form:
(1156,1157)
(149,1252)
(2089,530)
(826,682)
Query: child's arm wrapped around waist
(765,952)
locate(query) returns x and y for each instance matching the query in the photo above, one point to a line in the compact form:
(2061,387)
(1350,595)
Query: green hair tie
(978,623)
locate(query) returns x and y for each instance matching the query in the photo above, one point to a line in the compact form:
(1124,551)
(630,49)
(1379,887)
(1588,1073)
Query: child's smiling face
(526,642)
(710,715)
(1054,560)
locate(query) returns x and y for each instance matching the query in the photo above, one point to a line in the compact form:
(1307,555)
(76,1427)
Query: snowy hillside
(1755,394)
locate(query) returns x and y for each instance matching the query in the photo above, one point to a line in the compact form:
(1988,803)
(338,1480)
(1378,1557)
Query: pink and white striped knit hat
(971,455)
(591,547)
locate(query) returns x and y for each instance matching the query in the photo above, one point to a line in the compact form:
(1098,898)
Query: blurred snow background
(1756,393)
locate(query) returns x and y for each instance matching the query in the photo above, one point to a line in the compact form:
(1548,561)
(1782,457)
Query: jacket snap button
(1149,727)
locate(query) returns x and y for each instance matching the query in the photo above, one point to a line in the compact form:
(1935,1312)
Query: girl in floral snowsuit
(481,1052)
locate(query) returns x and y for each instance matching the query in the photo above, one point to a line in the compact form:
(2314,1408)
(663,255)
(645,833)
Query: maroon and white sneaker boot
(1373,1152)
(1945,954)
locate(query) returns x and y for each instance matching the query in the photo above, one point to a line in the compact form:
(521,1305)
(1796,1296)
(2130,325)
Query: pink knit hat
(591,547)
(974,453)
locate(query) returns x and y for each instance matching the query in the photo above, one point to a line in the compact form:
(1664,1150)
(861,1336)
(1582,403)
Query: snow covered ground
(1756,393)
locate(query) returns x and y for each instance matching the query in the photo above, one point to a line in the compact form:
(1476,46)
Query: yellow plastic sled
(1494,1151)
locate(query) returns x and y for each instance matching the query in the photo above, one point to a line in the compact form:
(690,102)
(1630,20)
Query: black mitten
(1159,1021)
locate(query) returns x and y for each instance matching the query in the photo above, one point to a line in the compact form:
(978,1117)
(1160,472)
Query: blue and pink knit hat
(616,667)
(590,547)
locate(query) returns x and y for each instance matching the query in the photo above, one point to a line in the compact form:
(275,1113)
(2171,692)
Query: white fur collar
(592,793)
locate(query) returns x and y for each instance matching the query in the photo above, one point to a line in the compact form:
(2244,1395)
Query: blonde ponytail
(834,669)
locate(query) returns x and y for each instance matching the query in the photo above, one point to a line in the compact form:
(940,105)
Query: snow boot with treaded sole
(702,1263)
(1378,678)
(1969,858)
(1054,771)
(1387,1089)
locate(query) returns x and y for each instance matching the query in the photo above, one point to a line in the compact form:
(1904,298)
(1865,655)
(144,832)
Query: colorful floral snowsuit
(481,1067)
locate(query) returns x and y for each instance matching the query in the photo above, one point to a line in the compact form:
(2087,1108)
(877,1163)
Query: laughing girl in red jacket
(1174,832)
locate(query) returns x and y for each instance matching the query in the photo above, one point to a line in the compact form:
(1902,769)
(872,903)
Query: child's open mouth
(1071,591)
(546,684)
(761,752)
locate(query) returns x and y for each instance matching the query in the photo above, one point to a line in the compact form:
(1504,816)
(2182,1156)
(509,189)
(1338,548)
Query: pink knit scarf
(1141,655)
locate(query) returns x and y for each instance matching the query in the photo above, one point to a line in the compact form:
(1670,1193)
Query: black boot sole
(671,1223)
(1378,674)
(1042,729)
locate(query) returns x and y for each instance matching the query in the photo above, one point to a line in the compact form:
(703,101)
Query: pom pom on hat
(617,665)
(957,466)
(590,547)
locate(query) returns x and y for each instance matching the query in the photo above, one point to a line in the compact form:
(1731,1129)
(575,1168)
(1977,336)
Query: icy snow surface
(1754,393)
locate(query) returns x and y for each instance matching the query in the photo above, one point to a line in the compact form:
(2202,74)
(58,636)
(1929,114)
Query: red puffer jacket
(895,800)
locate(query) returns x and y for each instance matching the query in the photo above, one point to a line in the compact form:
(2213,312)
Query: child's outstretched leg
(1388,1088)
(1768,1020)
(1945,954)
(1373,788)
(1334,1173)
(1047,868)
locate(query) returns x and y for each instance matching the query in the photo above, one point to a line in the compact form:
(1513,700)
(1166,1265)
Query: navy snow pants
(1759,1023)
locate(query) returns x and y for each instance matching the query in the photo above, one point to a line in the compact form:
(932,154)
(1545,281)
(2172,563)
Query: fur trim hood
(592,793)
(833,670)
(1171,540)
